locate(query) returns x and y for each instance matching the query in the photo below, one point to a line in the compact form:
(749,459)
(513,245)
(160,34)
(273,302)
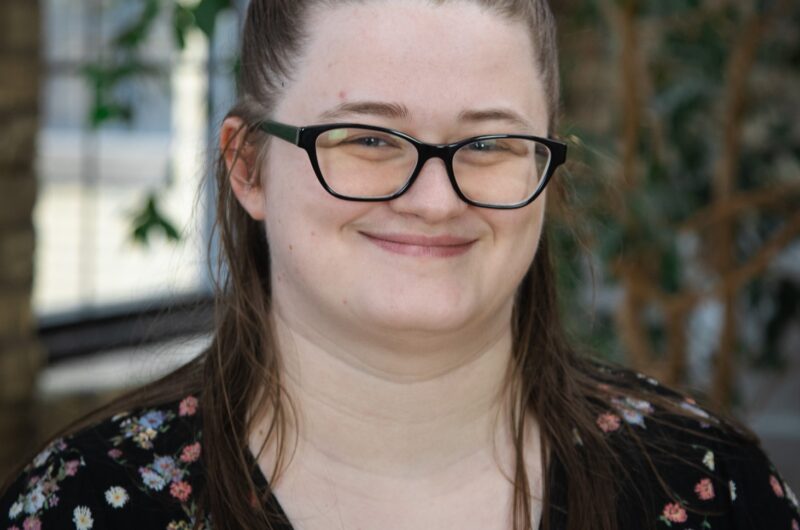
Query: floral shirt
(137,470)
(143,470)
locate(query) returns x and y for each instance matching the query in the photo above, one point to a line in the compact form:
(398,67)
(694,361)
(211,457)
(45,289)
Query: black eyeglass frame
(306,138)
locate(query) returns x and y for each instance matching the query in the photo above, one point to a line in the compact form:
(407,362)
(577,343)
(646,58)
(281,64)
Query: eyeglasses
(365,163)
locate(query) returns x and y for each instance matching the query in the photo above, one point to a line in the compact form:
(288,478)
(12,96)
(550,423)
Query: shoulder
(139,469)
(686,466)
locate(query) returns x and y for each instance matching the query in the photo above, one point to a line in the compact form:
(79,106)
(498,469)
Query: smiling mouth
(422,246)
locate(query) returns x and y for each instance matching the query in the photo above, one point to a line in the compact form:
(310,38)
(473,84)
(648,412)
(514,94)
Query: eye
(485,146)
(369,141)
(356,138)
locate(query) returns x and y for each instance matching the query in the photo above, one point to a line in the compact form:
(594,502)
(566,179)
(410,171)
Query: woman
(387,353)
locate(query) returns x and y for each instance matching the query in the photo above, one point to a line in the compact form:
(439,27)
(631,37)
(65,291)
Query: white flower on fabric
(694,409)
(15,510)
(790,495)
(632,410)
(639,404)
(82,517)
(116,496)
(732,487)
(576,436)
(42,457)
(34,500)
(708,460)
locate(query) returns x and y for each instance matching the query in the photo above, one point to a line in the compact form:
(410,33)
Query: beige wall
(19,105)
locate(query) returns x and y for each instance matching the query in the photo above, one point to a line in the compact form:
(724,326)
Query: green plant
(123,64)
(690,177)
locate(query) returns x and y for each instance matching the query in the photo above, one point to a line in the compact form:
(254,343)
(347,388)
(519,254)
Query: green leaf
(151,220)
(109,111)
(139,29)
(205,14)
(183,21)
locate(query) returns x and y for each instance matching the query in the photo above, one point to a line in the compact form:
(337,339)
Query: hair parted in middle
(547,378)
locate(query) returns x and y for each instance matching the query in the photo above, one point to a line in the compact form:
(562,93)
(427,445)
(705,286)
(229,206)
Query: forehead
(436,60)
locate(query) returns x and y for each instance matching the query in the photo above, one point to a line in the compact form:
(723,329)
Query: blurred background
(677,221)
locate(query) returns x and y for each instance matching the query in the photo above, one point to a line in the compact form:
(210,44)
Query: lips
(418,245)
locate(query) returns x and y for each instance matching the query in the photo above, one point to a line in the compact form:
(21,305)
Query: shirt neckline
(555,479)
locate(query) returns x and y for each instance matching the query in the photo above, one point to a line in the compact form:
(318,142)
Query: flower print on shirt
(144,429)
(54,464)
(673,513)
(32,523)
(116,496)
(791,496)
(608,422)
(180,490)
(82,517)
(156,457)
(690,405)
(775,484)
(704,489)
(151,479)
(632,410)
(708,460)
(188,406)
(190,453)
(134,486)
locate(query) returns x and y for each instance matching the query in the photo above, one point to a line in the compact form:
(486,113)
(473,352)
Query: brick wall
(19,101)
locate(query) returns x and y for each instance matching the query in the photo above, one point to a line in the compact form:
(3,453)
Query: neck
(369,415)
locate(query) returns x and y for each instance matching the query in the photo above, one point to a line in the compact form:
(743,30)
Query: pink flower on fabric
(608,422)
(32,523)
(190,453)
(704,489)
(180,490)
(674,513)
(795,525)
(114,453)
(776,485)
(188,406)
(71,468)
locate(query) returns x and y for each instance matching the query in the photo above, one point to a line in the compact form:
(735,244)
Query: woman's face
(440,74)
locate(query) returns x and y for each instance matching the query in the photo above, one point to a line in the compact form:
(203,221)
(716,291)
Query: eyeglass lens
(363,163)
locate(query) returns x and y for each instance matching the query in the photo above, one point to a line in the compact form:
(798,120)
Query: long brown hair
(238,376)
(550,382)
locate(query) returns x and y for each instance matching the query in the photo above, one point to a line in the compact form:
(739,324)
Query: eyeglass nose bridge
(426,152)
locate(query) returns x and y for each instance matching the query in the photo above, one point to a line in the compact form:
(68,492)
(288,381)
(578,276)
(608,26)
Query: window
(93,181)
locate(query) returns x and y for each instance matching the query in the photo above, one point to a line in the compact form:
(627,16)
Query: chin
(424,318)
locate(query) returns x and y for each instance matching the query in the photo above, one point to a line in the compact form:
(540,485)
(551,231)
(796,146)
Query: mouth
(444,246)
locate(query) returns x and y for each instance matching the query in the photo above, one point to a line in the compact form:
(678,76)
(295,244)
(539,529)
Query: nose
(431,195)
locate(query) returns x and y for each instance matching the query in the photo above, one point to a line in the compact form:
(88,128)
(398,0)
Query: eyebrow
(372,108)
(498,114)
(399,111)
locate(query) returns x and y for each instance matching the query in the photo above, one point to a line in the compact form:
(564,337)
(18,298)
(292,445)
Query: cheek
(304,223)
(520,229)
(518,235)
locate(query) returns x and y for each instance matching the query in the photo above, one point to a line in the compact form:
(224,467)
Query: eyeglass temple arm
(281,130)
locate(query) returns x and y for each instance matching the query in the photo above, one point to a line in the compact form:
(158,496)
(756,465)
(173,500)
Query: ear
(240,158)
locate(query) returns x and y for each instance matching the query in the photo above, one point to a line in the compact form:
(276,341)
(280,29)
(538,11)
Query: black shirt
(143,469)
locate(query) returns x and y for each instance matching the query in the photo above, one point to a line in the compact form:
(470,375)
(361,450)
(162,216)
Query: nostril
(431,195)
(435,178)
